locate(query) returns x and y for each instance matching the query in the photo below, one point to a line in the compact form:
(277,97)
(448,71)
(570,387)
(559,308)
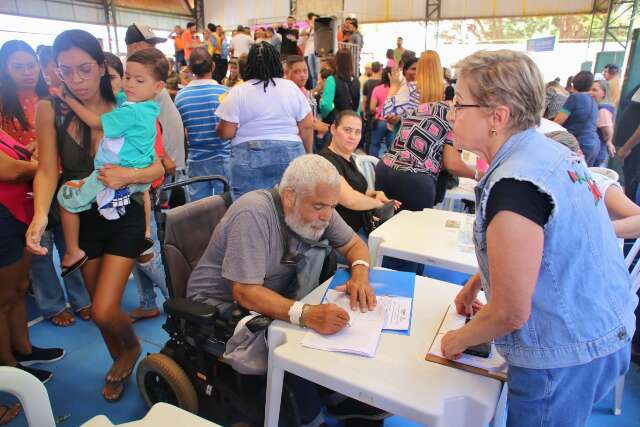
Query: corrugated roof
(173,7)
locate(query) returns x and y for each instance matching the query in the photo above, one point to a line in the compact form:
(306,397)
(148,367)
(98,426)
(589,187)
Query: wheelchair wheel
(161,379)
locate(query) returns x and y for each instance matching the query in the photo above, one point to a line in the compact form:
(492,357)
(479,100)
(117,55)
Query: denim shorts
(12,238)
(258,165)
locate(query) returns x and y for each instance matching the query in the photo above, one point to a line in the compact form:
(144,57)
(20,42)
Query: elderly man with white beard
(267,261)
(267,253)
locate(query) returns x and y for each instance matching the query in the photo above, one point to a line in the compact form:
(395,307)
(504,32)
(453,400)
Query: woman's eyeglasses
(457,106)
(83,71)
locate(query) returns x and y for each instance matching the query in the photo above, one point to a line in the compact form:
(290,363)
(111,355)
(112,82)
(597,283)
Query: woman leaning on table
(562,320)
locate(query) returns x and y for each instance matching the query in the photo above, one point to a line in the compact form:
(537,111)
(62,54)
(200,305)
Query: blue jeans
(562,396)
(313,63)
(49,295)
(379,133)
(215,166)
(259,165)
(150,274)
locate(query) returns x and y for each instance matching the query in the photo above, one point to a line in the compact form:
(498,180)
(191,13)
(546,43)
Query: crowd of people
(84,139)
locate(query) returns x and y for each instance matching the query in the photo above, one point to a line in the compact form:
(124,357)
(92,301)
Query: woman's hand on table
(453,344)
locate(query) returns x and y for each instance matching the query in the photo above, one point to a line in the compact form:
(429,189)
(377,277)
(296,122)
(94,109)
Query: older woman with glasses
(561,317)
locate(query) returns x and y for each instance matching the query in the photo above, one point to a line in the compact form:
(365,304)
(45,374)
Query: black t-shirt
(367,90)
(289,40)
(520,197)
(349,171)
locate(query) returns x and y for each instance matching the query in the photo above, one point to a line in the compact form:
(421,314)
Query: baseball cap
(141,33)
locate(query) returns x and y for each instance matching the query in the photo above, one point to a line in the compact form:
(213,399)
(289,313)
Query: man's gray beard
(305,230)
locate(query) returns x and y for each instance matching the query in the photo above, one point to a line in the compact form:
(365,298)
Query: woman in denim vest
(560,316)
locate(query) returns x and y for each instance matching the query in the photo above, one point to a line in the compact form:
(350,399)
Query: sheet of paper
(361,337)
(397,312)
(494,363)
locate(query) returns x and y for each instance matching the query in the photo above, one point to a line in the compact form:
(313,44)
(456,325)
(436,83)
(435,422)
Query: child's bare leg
(147,215)
(71,228)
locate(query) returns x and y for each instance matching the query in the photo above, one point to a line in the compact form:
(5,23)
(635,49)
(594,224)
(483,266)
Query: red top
(28,102)
(16,196)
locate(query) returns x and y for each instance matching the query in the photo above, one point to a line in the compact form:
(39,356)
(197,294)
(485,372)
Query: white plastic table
(463,191)
(424,238)
(398,379)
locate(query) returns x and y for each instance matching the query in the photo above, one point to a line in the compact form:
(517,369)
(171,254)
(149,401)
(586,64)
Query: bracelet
(295,312)
(303,316)
(360,262)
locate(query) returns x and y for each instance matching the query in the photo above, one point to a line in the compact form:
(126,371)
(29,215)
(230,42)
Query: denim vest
(582,306)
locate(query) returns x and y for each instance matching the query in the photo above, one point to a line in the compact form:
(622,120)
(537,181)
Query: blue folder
(384,282)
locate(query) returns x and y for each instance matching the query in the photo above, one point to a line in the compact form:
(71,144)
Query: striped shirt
(197,104)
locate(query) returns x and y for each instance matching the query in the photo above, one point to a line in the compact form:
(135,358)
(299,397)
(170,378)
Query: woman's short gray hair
(509,78)
(305,172)
(606,89)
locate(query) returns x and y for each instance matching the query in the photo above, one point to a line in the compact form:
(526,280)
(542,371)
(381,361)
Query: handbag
(247,351)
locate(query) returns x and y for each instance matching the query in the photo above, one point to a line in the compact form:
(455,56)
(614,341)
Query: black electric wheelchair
(189,371)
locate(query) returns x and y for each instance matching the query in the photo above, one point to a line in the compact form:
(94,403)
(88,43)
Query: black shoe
(352,409)
(40,374)
(40,355)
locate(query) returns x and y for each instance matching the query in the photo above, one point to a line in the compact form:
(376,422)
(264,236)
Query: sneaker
(41,374)
(352,409)
(40,355)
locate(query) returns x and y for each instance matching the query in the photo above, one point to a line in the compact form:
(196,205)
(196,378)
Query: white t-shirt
(241,43)
(547,126)
(262,116)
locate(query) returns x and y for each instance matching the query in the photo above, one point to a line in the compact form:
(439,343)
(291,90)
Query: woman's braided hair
(263,64)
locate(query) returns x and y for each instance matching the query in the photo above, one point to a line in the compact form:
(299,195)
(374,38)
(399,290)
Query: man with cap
(149,271)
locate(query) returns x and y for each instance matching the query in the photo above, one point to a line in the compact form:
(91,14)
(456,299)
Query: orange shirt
(179,43)
(187,40)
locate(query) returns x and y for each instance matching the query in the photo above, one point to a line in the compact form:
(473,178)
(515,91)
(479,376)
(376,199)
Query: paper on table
(397,311)
(360,338)
(453,320)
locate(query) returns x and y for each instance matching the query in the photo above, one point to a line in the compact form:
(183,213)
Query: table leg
(275,379)
(500,417)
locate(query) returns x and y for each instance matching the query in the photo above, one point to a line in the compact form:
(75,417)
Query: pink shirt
(380,93)
(605,118)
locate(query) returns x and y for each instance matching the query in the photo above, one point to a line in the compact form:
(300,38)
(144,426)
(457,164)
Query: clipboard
(500,376)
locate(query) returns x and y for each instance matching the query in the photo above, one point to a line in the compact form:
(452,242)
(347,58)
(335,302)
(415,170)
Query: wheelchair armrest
(192,311)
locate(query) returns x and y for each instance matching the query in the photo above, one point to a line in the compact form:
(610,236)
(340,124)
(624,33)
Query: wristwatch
(360,262)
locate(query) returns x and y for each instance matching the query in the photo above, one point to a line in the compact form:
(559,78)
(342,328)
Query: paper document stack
(361,337)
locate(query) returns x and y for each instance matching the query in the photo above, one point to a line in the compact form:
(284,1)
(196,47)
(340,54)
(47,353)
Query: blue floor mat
(78,378)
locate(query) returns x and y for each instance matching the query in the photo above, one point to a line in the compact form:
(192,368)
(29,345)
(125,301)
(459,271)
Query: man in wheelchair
(268,252)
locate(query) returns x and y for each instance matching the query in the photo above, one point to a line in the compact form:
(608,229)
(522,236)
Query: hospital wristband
(295,312)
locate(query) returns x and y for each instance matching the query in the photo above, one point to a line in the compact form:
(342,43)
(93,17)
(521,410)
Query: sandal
(63,319)
(8,413)
(84,313)
(65,271)
(141,314)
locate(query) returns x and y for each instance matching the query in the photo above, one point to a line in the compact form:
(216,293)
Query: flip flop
(68,270)
(134,318)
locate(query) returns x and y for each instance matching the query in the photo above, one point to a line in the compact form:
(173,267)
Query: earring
(493,132)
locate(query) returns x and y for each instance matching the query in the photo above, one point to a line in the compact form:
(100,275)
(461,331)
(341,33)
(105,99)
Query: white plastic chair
(635,285)
(367,166)
(31,393)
